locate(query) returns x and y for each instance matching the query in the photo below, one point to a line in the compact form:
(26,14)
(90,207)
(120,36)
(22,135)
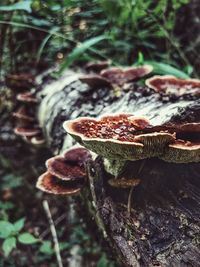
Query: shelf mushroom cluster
(128,137)
(65,175)
(171,85)
(100,74)
(25,115)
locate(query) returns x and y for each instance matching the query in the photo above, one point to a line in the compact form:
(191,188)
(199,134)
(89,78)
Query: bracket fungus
(26,125)
(23,114)
(65,174)
(95,81)
(27,97)
(127,137)
(119,136)
(97,66)
(21,81)
(51,184)
(27,132)
(168,84)
(120,76)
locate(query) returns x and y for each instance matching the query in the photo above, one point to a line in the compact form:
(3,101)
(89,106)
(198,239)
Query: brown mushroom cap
(124,182)
(27,98)
(65,170)
(78,155)
(97,66)
(50,184)
(27,132)
(116,136)
(172,85)
(121,76)
(22,114)
(20,81)
(70,166)
(95,81)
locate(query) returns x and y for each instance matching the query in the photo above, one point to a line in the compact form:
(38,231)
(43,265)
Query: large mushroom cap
(172,85)
(50,184)
(121,76)
(119,136)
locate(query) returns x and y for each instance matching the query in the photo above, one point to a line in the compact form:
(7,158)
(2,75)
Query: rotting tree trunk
(163,225)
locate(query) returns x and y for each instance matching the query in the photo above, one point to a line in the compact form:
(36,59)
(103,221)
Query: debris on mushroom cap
(65,170)
(97,66)
(182,152)
(124,182)
(117,136)
(27,132)
(172,85)
(22,114)
(27,97)
(95,81)
(50,184)
(121,76)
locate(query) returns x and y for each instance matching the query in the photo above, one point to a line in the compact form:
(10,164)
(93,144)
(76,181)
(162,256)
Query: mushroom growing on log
(163,225)
(66,174)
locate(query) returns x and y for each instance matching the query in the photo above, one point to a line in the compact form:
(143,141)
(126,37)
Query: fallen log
(157,222)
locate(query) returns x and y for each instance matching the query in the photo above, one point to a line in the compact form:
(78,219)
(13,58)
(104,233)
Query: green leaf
(80,49)
(46,248)
(27,239)
(140,59)
(6,229)
(103,261)
(162,68)
(24,5)
(8,245)
(18,225)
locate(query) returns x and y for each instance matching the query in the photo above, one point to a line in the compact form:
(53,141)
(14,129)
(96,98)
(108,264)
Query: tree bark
(160,226)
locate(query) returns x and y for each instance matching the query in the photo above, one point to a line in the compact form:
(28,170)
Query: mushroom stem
(131,190)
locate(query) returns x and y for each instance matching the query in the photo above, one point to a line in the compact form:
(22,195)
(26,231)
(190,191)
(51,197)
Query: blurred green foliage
(39,33)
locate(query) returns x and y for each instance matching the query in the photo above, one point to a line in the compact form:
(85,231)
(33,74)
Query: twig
(56,222)
(129,201)
(53,232)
